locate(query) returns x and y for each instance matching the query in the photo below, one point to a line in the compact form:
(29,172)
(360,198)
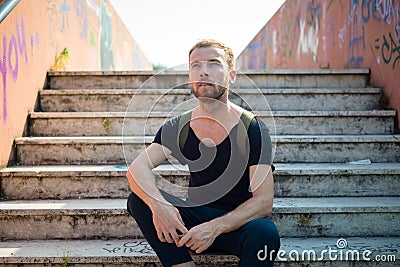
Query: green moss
(305,219)
(64,262)
(107,125)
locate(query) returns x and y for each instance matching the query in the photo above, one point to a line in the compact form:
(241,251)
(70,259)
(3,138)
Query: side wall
(35,32)
(333,34)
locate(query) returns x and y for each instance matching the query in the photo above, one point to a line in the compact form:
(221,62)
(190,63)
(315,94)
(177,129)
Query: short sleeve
(167,136)
(260,144)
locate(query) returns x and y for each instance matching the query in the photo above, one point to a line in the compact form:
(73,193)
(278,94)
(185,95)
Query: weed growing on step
(107,125)
(305,219)
(64,262)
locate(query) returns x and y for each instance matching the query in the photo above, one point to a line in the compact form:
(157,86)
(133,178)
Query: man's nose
(204,70)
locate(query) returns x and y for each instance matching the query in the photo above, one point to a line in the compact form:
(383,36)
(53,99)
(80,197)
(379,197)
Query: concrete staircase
(64,203)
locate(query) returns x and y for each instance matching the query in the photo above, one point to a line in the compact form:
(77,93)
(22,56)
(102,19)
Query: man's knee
(135,204)
(262,233)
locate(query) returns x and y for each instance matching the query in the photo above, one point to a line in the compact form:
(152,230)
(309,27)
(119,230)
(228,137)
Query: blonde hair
(229,58)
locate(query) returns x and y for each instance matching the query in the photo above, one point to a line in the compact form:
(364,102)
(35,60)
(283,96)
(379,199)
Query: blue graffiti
(81,13)
(368,8)
(64,9)
(357,38)
(389,48)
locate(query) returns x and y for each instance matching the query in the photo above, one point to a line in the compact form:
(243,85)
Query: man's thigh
(248,239)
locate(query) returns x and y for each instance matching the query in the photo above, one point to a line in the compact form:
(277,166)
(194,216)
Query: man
(229,194)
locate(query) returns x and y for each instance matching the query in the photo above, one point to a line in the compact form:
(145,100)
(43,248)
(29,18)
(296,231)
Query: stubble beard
(213,94)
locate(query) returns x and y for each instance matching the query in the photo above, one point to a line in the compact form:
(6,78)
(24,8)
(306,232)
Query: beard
(212,91)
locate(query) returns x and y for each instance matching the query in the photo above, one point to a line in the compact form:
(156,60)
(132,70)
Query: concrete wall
(333,34)
(31,37)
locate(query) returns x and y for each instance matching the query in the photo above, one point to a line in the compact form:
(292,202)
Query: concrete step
(107,218)
(342,78)
(143,123)
(114,100)
(83,100)
(377,251)
(108,181)
(289,149)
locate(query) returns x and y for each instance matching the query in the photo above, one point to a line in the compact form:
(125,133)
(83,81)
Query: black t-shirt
(219,176)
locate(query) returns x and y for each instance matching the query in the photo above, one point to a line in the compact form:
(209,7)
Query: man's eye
(195,65)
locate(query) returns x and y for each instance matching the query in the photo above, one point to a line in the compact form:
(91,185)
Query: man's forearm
(254,208)
(142,183)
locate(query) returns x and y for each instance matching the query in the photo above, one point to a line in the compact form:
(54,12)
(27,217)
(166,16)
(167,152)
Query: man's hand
(168,222)
(199,238)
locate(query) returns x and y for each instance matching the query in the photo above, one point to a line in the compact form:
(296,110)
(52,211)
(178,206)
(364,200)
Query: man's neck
(215,107)
(221,113)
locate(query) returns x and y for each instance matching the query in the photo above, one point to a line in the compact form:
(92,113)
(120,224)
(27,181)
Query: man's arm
(200,237)
(166,218)
(260,205)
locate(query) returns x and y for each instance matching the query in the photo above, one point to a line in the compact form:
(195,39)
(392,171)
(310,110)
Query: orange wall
(38,30)
(332,34)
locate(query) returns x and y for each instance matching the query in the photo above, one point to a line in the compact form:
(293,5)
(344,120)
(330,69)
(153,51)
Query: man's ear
(232,76)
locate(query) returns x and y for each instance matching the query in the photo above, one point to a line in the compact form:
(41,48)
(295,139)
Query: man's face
(209,73)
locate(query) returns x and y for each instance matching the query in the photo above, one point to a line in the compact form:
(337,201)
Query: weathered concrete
(315,195)
(343,78)
(108,181)
(83,100)
(137,252)
(289,149)
(286,99)
(295,217)
(143,123)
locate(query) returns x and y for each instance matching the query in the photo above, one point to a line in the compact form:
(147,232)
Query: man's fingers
(175,237)
(168,237)
(200,250)
(182,228)
(161,236)
(184,239)
(183,224)
(190,243)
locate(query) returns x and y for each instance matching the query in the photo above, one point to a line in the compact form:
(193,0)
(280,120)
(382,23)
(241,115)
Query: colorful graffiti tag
(377,11)
(389,49)
(15,52)
(314,23)
(333,34)
(308,38)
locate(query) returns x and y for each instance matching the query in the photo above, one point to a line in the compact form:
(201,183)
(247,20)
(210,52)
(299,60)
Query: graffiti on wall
(386,45)
(59,15)
(318,31)
(15,53)
(388,49)
(309,30)
(284,46)
(357,42)
(335,34)
(82,15)
(107,58)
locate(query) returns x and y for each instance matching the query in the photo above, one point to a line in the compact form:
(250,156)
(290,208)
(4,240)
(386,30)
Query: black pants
(256,243)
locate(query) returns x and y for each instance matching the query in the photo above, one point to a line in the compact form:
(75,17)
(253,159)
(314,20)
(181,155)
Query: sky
(166,29)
